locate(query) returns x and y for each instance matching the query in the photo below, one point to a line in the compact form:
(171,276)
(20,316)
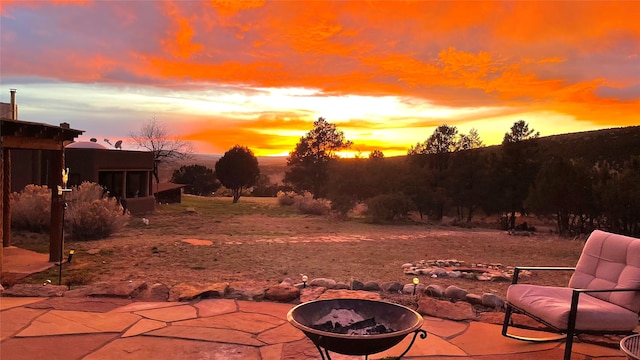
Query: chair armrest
(516,270)
(603,290)
(575,296)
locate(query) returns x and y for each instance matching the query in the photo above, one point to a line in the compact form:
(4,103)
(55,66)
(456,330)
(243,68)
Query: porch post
(1,202)
(55,229)
(6,191)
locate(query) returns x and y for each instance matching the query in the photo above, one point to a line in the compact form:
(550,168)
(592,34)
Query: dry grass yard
(206,240)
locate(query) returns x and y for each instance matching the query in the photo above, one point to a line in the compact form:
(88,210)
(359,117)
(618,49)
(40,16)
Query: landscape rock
(247,290)
(342,286)
(323,282)
(188,292)
(447,310)
(155,292)
(500,277)
(34,290)
(439,272)
(492,301)
(434,290)
(282,293)
(311,293)
(391,287)
(287,281)
(357,285)
(412,289)
(371,286)
(454,274)
(455,293)
(122,289)
(474,299)
(350,294)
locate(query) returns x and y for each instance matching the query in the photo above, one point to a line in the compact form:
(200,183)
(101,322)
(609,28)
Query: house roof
(18,134)
(166,186)
(86,145)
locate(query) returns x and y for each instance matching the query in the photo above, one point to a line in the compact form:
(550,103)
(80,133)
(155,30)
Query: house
(127,175)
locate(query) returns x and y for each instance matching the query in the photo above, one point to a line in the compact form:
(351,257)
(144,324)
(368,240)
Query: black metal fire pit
(315,318)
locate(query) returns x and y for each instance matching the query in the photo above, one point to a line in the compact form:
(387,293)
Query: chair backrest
(610,261)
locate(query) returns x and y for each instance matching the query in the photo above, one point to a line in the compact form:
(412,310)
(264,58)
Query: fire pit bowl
(397,319)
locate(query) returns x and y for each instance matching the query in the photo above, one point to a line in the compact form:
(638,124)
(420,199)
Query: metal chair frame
(570,331)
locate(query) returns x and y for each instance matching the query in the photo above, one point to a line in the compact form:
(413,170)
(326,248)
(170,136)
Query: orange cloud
(180,43)
(231,7)
(481,59)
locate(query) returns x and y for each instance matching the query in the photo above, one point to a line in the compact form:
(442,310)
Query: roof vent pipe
(14,107)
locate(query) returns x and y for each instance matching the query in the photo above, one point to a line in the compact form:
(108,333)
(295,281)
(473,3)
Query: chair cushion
(610,261)
(552,304)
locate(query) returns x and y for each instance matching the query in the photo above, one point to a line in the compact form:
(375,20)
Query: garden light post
(61,190)
(416,281)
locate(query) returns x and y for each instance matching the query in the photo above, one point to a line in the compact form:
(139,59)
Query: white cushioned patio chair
(603,295)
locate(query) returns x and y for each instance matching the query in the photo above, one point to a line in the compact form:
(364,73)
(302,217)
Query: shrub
(306,204)
(91,215)
(389,207)
(31,208)
(359,210)
(286,198)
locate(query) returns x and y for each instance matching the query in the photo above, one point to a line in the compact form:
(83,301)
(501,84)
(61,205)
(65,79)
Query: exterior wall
(118,169)
(172,196)
(141,205)
(28,167)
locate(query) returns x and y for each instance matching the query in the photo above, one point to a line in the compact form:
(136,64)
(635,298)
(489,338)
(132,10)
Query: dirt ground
(206,241)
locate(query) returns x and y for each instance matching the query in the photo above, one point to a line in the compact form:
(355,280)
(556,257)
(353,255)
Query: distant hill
(616,145)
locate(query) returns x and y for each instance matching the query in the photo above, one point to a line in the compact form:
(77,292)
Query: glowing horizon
(257,73)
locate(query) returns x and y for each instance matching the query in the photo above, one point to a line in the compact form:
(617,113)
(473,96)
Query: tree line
(454,174)
(449,174)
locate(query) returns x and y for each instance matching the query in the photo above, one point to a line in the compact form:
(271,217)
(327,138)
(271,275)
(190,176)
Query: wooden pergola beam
(16,134)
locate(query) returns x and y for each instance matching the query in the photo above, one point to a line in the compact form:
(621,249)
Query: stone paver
(209,334)
(213,307)
(118,329)
(142,305)
(53,347)
(444,328)
(271,351)
(144,326)
(251,323)
(267,308)
(81,304)
(11,302)
(474,341)
(146,347)
(15,319)
(169,314)
(60,322)
(431,346)
(280,334)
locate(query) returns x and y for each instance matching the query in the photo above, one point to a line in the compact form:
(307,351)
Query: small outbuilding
(168,193)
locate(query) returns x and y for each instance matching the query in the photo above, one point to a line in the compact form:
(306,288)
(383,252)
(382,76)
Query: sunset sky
(258,73)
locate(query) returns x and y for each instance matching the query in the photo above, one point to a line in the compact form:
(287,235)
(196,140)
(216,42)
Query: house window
(136,184)
(112,181)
